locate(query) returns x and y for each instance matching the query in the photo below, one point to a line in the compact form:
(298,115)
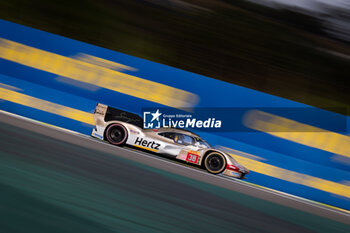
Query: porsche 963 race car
(124,128)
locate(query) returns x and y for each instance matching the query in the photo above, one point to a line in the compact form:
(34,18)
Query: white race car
(124,128)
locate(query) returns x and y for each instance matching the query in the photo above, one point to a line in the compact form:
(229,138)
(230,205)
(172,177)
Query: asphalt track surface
(56,181)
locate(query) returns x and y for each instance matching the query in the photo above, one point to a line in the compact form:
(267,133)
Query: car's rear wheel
(116,134)
(215,163)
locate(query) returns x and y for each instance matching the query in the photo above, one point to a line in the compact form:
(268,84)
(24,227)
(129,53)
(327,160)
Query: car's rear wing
(107,113)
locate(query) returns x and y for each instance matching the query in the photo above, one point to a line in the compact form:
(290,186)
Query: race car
(124,128)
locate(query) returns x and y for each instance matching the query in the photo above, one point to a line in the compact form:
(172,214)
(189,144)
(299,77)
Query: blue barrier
(300,166)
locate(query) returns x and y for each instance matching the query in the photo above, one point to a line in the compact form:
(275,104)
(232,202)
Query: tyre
(215,163)
(116,134)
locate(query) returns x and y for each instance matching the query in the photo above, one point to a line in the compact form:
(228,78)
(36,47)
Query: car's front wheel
(116,134)
(215,163)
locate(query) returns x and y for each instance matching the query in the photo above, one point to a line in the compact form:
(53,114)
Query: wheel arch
(111,123)
(208,152)
(124,124)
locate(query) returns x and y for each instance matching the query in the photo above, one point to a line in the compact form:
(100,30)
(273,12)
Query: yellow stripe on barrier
(291,176)
(46,106)
(95,74)
(298,132)
(103,62)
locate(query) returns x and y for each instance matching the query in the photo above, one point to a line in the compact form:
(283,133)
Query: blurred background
(57,182)
(294,49)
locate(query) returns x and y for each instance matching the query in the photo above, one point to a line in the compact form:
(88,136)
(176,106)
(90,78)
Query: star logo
(156,115)
(152,119)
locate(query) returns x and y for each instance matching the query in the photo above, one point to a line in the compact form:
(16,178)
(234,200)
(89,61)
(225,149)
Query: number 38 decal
(193,158)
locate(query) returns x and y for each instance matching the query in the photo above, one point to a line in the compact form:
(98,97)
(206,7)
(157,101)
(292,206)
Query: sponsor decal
(192,157)
(134,131)
(143,143)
